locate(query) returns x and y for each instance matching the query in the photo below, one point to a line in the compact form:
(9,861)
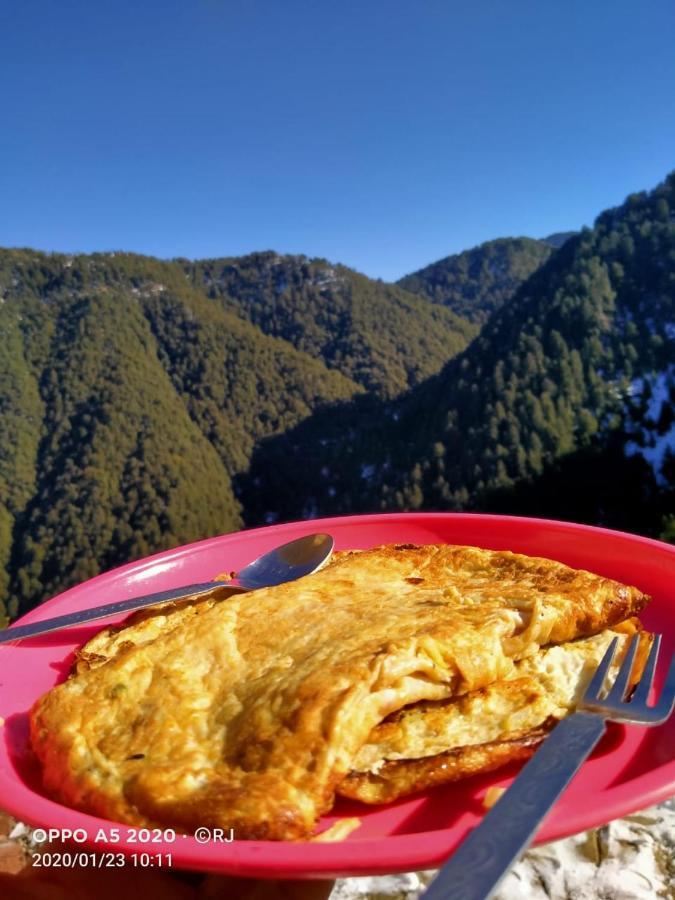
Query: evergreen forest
(145,403)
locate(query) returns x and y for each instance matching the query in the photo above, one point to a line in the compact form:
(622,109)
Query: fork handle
(477,868)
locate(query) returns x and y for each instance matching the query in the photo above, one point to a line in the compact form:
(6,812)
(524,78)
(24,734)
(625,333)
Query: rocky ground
(630,859)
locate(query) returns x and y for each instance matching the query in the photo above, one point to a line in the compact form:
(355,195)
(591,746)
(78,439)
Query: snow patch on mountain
(650,420)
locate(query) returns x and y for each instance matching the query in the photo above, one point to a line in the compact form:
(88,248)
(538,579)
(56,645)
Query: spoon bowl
(286,563)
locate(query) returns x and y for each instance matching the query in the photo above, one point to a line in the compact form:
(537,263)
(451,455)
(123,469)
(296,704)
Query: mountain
(575,374)
(145,403)
(558,239)
(475,283)
(127,403)
(377,334)
(133,391)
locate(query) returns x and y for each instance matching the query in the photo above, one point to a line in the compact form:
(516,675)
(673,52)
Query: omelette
(250,713)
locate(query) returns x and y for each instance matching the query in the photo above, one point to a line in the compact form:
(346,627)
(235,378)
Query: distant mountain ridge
(564,371)
(559,238)
(383,337)
(475,283)
(145,403)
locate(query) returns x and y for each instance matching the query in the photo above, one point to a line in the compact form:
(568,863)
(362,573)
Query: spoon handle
(20,632)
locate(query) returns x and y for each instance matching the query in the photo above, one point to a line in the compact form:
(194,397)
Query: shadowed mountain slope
(583,354)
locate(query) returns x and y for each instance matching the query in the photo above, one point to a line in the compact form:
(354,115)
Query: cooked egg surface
(247,713)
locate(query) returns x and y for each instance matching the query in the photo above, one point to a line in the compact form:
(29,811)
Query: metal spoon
(285,563)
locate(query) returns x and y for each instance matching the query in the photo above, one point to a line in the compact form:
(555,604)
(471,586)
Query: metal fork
(475,871)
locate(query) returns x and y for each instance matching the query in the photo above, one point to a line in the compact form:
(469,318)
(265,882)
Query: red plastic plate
(632,768)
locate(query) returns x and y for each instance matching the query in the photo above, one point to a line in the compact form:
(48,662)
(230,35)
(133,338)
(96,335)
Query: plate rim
(374,856)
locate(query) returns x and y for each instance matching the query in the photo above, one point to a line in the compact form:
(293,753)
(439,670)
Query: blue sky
(383,135)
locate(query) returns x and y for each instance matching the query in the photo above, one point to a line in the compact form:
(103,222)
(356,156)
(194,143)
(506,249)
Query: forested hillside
(133,390)
(146,403)
(127,403)
(578,365)
(477,282)
(558,239)
(383,337)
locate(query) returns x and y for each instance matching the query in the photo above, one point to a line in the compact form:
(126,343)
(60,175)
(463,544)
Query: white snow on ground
(325,277)
(656,453)
(646,438)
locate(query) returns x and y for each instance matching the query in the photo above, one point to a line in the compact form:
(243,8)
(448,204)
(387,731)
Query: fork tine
(641,694)
(592,692)
(620,685)
(666,702)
